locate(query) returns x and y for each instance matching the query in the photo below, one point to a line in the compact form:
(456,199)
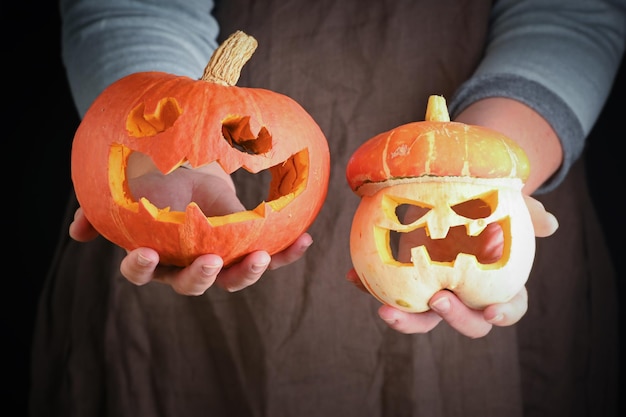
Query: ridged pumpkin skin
(175,119)
(439,166)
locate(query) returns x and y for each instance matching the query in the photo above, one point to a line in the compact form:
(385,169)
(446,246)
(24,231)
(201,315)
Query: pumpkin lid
(436,147)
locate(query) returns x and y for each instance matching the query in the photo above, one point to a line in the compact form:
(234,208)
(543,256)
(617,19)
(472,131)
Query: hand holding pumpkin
(452,192)
(448,307)
(183,214)
(141,265)
(461,185)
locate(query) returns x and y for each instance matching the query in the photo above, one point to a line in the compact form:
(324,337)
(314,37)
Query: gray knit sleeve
(104,40)
(559,57)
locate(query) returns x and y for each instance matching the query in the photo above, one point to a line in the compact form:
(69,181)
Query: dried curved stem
(226,63)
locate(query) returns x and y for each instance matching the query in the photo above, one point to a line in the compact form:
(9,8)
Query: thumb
(544,222)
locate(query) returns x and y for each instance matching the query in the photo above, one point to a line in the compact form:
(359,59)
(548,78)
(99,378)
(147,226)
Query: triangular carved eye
(141,123)
(408,213)
(477,208)
(237,132)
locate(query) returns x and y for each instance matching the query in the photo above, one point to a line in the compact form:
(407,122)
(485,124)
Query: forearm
(558,57)
(526,127)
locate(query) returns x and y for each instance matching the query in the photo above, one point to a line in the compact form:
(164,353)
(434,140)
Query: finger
(244,273)
(544,222)
(506,314)
(138,265)
(80,229)
(408,323)
(353,277)
(196,278)
(463,319)
(294,252)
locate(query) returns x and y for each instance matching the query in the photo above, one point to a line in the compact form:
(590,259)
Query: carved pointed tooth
(420,258)
(437,230)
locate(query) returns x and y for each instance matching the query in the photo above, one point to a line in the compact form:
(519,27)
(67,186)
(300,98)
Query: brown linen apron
(303,341)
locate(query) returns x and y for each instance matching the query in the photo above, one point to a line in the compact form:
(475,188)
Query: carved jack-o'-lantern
(177,120)
(468,230)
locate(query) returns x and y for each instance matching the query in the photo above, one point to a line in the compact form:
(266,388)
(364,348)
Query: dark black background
(41,118)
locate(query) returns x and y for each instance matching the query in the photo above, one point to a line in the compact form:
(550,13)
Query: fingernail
(390,320)
(143,261)
(441,305)
(210,269)
(555,222)
(256,268)
(495,319)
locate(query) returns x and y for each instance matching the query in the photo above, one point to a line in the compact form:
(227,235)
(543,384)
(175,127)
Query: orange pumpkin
(463,185)
(177,120)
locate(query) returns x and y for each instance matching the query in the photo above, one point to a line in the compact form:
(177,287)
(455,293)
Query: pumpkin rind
(436,148)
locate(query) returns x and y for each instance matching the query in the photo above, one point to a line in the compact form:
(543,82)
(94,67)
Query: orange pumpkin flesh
(177,120)
(465,183)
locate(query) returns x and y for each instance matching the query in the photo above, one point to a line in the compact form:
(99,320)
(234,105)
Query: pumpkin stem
(226,63)
(436,110)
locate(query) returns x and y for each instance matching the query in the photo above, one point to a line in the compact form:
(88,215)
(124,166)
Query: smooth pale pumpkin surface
(408,285)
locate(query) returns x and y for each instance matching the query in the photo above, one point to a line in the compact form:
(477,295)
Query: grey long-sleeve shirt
(557,56)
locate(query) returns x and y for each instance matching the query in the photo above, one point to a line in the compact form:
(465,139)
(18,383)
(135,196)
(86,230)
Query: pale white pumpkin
(464,182)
